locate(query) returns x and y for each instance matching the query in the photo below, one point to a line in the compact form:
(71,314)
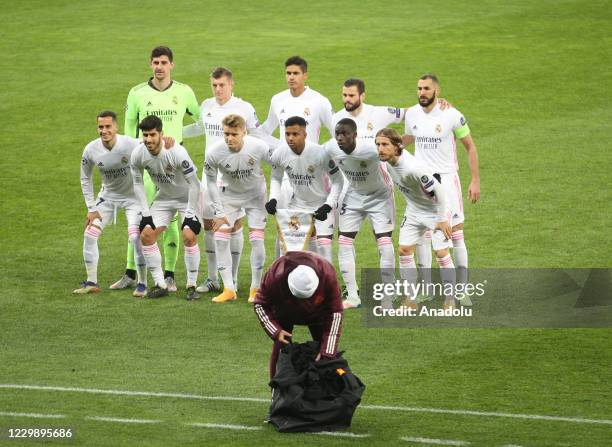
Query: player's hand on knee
(193,223)
(91,216)
(219,222)
(284,337)
(146,221)
(445,228)
(322,212)
(271,206)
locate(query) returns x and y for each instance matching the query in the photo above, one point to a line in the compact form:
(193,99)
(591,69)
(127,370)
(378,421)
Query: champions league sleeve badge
(294,229)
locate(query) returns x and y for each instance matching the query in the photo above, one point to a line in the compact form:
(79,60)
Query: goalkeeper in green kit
(169,100)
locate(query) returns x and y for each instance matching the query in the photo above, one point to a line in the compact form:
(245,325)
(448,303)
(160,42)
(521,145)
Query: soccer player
(433,132)
(212,112)
(170,100)
(238,158)
(370,195)
(426,210)
(111,154)
(369,119)
(175,177)
(309,169)
(300,288)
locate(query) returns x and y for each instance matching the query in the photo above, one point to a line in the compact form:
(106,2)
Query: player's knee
(189,237)
(405,250)
(458,227)
(147,237)
(237,225)
(208,224)
(442,253)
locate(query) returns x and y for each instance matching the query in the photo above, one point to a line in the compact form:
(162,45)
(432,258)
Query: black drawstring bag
(309,396)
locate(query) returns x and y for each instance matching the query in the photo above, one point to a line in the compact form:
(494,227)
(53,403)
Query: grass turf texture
(531,78)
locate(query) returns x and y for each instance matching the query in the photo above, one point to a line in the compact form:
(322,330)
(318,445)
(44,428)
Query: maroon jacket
(275,305)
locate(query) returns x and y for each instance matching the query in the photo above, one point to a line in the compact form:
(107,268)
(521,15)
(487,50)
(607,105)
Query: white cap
(303,281)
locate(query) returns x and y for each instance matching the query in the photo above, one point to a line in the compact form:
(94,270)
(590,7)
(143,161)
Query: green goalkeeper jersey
(169,105)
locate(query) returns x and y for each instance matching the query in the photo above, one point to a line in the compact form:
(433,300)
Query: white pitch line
(341,434)
(434,441)
(576,420)
(225,426)
(122,420)
(32,415)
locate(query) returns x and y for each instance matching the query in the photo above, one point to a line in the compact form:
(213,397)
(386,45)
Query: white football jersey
(371,119)
(417,183)
(310,105)
(241,171)
(212,114)
(171,170)
(309,173)
(114,167)
(363,170)
(434,136)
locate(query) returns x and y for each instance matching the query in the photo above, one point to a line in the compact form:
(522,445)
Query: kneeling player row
(310,169)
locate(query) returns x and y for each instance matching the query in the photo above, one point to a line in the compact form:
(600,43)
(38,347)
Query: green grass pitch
(533,80)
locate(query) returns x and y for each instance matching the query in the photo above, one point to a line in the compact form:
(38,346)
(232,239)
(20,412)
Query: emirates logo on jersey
(306,111)
(438,128)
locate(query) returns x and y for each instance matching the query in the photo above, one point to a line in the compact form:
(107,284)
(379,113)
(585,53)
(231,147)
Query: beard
(426,102)
(351,107)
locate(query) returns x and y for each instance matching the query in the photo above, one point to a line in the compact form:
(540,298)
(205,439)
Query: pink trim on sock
(133,230)
(457,235)
(256,235)
(407,261)
(384,240)
(192,250)
(150,249)
(445,261)
(221,236)
(92,231)
(323,242)
(343,240)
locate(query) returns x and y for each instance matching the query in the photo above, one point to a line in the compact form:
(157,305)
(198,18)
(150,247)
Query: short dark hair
(354,82)
(161,51)
(219,72)
(106,114)
(348,122)
(297,60)
(151,122)
(431,76)
(295,121)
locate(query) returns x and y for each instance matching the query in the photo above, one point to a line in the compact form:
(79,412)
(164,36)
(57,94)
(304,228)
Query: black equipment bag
(311,396)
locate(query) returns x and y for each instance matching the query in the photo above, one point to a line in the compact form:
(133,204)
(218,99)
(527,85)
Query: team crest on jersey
(307,111)
(370,126)
(185,164)
(124,160)
(363,164)
(311,169)
(438,128)
(251,161)
(175,100)
(168,169)
(294,223)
